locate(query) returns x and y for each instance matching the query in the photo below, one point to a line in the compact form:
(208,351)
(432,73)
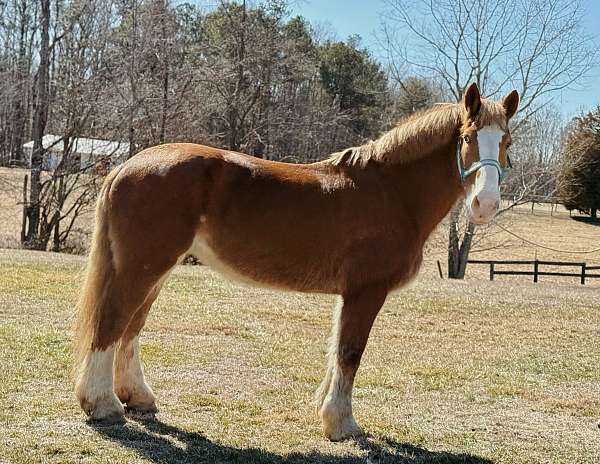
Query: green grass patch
(451,375)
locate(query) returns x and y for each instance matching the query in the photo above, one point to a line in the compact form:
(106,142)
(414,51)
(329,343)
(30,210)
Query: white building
(84,152)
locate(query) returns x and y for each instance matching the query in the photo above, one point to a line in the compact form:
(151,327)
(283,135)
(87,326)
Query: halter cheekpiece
(477,165)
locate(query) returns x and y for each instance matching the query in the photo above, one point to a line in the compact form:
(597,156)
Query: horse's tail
(99,279)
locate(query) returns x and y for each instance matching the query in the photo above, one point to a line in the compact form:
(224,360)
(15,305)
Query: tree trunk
(233,117)
(465,248)
(453,244)
(39,125)
(458,250)
(594,213)
(165,76)
(133,80)
(20,95)
(56,241)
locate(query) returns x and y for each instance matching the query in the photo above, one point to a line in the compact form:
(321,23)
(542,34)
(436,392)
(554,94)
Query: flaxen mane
(415,136)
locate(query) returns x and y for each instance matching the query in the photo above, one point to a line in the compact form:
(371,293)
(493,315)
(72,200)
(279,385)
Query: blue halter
(477,165)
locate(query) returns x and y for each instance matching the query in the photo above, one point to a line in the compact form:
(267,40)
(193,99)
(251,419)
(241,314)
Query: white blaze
(486,188)
(489,139)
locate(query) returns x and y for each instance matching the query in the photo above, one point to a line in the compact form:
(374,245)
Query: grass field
(455,372)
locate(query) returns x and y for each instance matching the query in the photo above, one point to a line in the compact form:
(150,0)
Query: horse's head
(481,154)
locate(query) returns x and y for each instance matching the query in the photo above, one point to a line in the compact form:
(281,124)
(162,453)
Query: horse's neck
(426,189)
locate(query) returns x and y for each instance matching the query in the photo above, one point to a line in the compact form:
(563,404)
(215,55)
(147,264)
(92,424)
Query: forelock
(491,113)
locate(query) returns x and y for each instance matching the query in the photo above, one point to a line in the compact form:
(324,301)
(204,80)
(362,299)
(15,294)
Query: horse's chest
(406,268)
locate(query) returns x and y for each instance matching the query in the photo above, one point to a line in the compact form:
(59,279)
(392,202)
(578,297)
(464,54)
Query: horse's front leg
(352,322)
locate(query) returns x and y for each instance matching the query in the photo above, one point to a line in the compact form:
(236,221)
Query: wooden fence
(583,269)
(510,198)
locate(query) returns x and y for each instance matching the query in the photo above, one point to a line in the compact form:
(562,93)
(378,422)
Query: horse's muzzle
(484,207)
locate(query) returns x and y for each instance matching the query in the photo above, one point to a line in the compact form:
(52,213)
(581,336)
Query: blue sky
(347,17)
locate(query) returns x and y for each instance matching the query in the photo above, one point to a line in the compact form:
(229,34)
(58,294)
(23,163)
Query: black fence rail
(583,269)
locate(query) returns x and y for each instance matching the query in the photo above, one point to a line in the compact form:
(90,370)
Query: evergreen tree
(356,81)
(579,182)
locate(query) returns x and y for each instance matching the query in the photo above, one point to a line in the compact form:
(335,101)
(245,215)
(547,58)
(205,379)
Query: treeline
(255,79)
(145,72)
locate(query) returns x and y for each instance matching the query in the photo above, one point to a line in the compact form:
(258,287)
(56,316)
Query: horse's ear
(472,100)
(510,103)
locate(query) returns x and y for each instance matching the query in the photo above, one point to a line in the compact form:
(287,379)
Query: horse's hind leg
(351,326)
(95,388)
(129,381)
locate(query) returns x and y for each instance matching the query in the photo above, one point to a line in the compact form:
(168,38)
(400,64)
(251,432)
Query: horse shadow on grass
(167,444)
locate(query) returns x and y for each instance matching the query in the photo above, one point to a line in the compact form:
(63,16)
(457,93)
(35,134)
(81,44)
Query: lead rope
(547,247)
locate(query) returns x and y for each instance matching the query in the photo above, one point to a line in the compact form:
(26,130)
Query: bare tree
(537,47)
(535,153)
(79,76)
(18,28)
(39,126)
(70,79)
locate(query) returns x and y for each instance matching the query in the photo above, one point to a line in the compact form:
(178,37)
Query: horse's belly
(206,255)
(249,274)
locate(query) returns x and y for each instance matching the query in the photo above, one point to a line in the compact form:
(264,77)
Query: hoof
(142,411)
(107,410)
(140,399)
(112,419)
(344,432)
(339,425)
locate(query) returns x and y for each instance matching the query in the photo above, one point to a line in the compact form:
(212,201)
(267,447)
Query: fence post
(535,271)
(583,274)
(491,271)
(25,211)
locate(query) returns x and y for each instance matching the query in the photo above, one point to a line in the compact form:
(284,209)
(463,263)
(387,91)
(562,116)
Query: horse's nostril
(485,204)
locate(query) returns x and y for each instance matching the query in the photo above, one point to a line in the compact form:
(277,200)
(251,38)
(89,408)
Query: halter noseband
(477,165)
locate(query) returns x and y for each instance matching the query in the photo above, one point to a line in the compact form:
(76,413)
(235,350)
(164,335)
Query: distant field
(11,206)
(11,212)
(455,372)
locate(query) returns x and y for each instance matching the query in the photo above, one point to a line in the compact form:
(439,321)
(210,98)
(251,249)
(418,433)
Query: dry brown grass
(11,206)
(570,235)
(455,372)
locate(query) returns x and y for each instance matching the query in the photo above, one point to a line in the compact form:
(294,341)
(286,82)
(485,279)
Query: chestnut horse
(353,225)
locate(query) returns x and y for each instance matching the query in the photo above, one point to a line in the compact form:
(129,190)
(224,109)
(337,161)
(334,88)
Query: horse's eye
(467,139)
